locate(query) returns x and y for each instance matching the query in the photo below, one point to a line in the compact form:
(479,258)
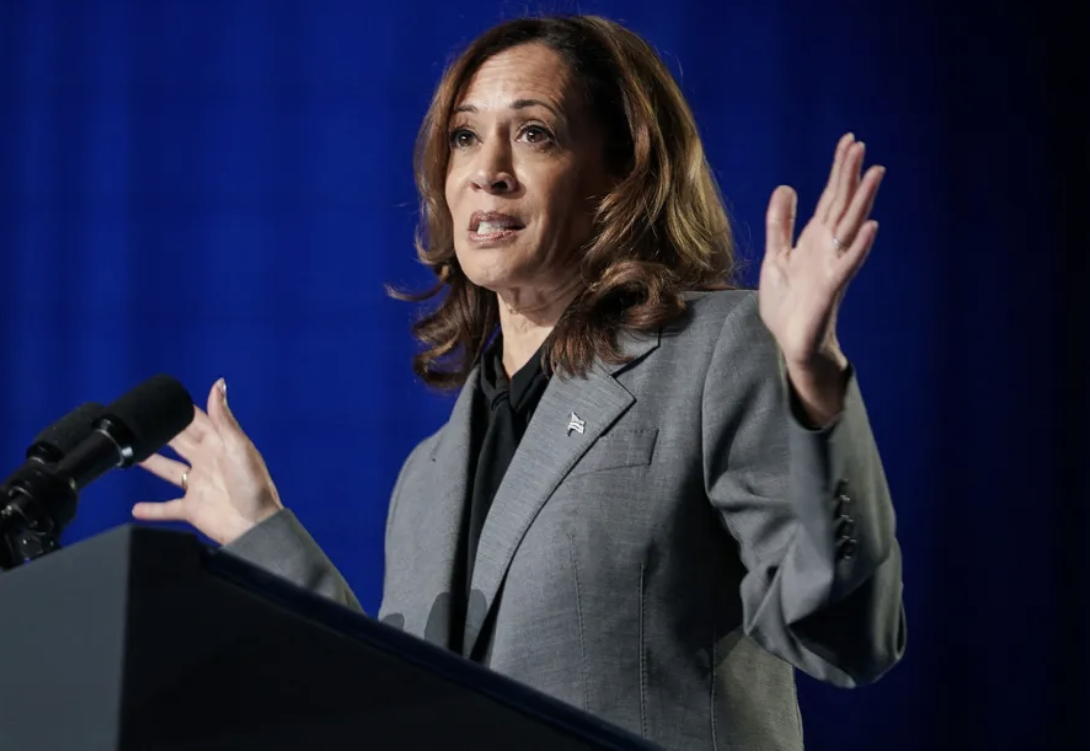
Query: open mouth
(491,226)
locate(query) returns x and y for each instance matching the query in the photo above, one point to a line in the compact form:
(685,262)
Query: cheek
(573,203)
(450,192)
(561,192)
(457,179)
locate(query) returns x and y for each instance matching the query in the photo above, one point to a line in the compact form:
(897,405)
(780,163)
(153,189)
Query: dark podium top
(146,639)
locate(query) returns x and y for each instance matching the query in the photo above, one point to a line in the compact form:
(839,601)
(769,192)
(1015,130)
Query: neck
(527,317)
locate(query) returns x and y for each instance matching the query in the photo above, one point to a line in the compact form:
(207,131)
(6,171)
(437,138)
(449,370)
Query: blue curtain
(222,189)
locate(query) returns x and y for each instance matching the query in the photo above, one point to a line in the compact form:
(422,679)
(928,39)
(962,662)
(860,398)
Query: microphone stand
(34,507)
(23,547)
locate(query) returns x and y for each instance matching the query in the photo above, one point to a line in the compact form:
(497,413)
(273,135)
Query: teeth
(493,227)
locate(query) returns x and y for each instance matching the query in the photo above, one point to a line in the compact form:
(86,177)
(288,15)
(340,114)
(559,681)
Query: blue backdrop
(210,189)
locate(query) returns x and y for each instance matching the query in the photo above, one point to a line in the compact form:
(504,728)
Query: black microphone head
(60,438)
(150,415)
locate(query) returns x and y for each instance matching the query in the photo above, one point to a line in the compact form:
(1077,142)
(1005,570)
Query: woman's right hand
(227,488)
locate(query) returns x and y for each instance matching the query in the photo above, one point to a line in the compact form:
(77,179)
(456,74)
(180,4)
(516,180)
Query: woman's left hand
(803,282)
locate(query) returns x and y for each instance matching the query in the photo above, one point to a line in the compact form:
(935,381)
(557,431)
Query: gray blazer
(667,542)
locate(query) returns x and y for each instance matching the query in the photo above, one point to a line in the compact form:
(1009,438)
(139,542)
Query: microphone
(132,428)
(41,498)
(60,438)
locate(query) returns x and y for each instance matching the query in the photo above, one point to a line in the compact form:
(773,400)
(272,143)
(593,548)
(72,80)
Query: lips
(490,223)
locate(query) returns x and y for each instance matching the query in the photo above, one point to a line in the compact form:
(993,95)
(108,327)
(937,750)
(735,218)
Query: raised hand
(803,282)
(226,487)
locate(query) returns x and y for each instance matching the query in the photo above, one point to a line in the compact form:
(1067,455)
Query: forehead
(529,71)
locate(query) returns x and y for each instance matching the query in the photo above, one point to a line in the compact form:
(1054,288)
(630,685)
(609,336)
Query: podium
(142,638)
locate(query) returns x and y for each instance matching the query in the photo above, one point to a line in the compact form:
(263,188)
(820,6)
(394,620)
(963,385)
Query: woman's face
(525,170)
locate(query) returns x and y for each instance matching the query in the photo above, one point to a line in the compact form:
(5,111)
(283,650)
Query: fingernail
(223,390)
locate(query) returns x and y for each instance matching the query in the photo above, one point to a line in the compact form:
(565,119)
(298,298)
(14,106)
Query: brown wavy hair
(661,231)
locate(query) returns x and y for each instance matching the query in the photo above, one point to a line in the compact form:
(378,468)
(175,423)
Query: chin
(492,274)
(493,280)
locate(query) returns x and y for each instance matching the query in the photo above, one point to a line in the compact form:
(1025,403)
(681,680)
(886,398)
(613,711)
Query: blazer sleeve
(282,546)
(810,509)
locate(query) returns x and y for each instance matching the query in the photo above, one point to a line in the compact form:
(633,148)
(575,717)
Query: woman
(675,497)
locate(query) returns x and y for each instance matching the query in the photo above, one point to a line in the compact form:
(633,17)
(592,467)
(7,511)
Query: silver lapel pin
(576,424)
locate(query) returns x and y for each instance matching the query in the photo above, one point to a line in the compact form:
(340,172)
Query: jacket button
(843,502)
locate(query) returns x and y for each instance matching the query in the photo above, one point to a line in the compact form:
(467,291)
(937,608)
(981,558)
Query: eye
(461,138)
(537,135)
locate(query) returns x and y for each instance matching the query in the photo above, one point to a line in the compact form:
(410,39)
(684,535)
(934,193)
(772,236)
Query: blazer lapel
(450,459)
(572,414)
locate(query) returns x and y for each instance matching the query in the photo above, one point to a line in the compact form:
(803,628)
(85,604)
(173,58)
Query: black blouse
(504,409)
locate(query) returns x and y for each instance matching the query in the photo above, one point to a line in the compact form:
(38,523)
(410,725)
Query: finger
(862,204)
(200,433)
(221,416)
(780,221)
(165,468)
(847,183)
(203,426)
(171,510)
(821,212)
(852,259)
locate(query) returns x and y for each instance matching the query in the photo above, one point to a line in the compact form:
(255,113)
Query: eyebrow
(519,104)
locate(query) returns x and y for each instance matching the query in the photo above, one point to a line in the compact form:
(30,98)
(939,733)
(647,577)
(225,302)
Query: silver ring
(836,242)
(185,480)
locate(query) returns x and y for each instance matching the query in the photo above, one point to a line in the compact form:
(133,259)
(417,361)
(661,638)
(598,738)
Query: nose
(493,172)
